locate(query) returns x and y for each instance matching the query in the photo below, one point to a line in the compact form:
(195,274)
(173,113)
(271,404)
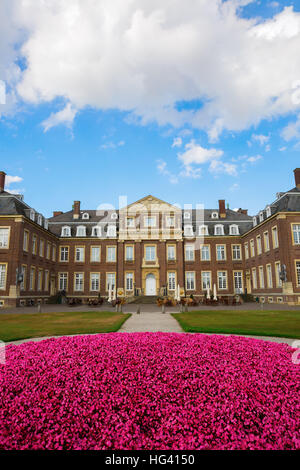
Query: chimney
(2,181)
(76,210)
(222,209)
(243,211)
(297,177)
(56,213)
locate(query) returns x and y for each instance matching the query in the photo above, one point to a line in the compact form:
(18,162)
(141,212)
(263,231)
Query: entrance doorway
(150,285)
(248,284)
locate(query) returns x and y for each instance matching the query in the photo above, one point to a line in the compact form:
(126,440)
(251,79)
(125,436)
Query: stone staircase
(144,299)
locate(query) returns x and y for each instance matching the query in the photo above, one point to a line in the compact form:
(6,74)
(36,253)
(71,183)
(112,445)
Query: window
(206,280)
(81,231)
(23,283)
(95,282)
(40,220)
(150,253)
(277,274)
(205,253)
(186,215)
(110,280)
(46,224)
(40,280)
(171,281)
(246,251)
(269,276)
(189,252)
(261,216)
(32,215)
(188,231)
(252,248)
(219,230)
(170,221)
(111,254)
(63,281)
(66,232)
(114,216)
(150,221)
(32,279)
(171,253)
(111,231)
(79,254)
(298,272)
(266,241)
(254,278)
(85,216)
(129,281)
(46,288)
(25,240)
(4,236)
(95,254)
(96,232)
(203,230)
(130,222)
(214,215)
(234,230)
(268,211)
(236,252)
(3,268)
(53,253)
(261,277)
(190,280)
(275,237)
(79,282)
(129,253)
(258,243)
(222,280)
(42,245)
(64,253)
(34,244)
(254,221)
(238,281)
(48,250)
(296,234)
(221,253)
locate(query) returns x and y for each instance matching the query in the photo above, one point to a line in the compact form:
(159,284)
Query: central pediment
(151,204)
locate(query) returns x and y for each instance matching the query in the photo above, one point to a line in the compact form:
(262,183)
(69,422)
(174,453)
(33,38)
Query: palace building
(149,248)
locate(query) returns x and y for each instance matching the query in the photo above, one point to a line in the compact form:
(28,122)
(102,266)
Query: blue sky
(183,133)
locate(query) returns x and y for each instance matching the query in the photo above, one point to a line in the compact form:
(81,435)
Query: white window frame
(3,276)
(129,247)
(149,250)
(78,282)
(111,231)
(171,281)
(96,231)
(149,218)
(207,249)
(85,216)
(81,231)
(94,282)
(190,280)
(188,250)
(222,280)
(63,281)
(4,237)
(111,254)
(233,228)
(95,259)
(66,231)
(219,226)
(203,228)
(221,251)
(129,281)
(79,254)
(206,280)
(188,231)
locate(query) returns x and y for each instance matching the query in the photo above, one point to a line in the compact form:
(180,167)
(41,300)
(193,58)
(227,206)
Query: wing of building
(149,248)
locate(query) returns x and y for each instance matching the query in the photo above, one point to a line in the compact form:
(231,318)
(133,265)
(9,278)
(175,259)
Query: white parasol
(215,292)
(208,293)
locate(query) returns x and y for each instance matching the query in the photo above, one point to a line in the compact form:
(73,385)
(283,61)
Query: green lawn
(20,326)
(269,323)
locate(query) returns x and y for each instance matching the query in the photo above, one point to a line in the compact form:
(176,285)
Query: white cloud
(163,170)
(112,145)
(217,167)
(234,187)
(66,116)
(12,179)
(177,142)
(292,130)
(282,149)
(143,57)
(260,138)
(254,159)
(195,154)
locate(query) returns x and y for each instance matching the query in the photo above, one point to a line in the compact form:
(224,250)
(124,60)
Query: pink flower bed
(149,391)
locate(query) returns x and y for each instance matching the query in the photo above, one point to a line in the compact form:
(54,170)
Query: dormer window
(188,231)
(114,216)
(254,221)
(187,215)
(81,231)
(234,230)
(219,230)
(96,232)
(130,222)
(40,220)
(214,215)
(111,231)
(170,221)
(46,224)
(268,211)
(32,215)
(203,230)
(261,216)
(85,216)
(66,232)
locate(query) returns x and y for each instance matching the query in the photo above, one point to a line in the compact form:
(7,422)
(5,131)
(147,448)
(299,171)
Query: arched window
(111,231)
(188,231)
(187,215)
(85,216)
(81,231)
(114,216)
(254,221)
(214,215)
(32,215)
(261,216)
(46,224)
(268,210)
(96,232)
(203,230)
(234,230)
(40,220)
(219,230)
(66,231)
